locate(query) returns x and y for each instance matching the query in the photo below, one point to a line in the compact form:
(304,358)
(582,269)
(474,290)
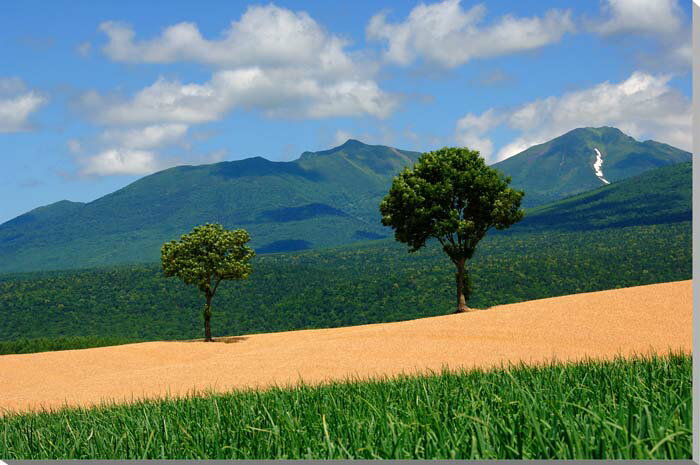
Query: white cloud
(475,142)
(273,59)
(138,151)
(265,36)
(657,17)
(470,129)
(17,104)
(149,137)
(450,36)
(163,101)
(120,161)
(643,106)
(663,20)
(125,161)
(275,92)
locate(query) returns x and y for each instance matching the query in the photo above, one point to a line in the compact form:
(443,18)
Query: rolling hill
(322,199)
(564,166)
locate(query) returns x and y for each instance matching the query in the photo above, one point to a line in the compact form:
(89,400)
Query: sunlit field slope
(604,324)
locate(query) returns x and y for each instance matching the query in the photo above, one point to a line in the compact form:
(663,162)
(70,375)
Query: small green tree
(453,196)
(205,257)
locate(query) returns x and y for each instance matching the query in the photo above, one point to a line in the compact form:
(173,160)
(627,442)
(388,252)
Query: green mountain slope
(564,166)
(659,196)
(322,199)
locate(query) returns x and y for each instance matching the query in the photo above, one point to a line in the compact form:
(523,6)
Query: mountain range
(321,199)
(564,166)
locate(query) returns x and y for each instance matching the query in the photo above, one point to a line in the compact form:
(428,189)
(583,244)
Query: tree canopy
(453,196)
(207,256)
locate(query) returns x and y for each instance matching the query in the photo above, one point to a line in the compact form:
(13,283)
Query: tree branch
(216,286)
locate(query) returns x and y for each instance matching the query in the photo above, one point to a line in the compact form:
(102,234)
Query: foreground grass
(639,408)
(29,346)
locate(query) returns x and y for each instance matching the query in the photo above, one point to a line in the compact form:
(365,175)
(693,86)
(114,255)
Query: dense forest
(376,281)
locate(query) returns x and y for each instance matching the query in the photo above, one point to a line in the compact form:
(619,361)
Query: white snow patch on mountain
(598,166)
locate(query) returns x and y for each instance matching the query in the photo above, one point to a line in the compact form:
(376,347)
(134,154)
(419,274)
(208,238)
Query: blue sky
(94,95)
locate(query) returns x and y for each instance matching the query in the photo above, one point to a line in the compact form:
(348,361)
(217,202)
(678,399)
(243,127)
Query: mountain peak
(571,163)
(608,131)
(594,130)
(352,143)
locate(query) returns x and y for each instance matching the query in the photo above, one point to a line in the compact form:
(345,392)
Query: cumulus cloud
(643,106)
(17,103)
(446,34)
(273,59)
(149,137)
(663,20)
(137,150)
(267,36)
(129,151)
(120,161)
(656,17)
(129,161)
(278,93)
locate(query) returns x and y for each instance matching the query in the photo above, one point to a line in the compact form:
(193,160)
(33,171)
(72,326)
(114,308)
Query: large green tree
(453,196)
(205,257)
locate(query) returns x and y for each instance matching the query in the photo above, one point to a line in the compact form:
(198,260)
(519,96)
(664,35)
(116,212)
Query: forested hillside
(376,282)
(663,195)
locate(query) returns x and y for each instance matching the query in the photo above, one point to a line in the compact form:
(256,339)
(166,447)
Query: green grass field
(622,409)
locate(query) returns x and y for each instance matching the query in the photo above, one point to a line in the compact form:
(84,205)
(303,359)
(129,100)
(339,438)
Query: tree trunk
(461,300)
(207,318)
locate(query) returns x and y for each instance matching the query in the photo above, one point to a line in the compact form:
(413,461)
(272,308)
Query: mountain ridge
(321,199)
(314,201)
